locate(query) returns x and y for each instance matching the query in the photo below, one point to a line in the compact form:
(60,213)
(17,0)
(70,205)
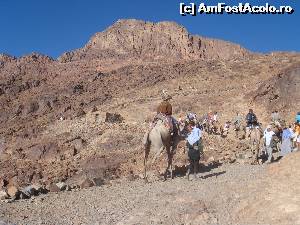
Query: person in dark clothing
(251,119)
(194,148)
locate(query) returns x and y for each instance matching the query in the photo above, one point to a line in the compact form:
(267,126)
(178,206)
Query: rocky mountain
(60,118)
(281,92)
(139,40)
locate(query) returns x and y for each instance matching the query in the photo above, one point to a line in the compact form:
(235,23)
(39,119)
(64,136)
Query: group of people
(287,136)
(280,137)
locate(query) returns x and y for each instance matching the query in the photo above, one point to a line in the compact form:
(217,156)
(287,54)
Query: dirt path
(209,199)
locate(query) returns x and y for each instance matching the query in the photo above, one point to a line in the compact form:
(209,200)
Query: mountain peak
(137,39)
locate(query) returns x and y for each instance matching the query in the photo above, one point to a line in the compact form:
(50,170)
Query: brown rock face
(153,41)
(281,92)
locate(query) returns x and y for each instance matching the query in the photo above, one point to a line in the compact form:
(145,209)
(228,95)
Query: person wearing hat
(165,106)
(164,112)
(268,135)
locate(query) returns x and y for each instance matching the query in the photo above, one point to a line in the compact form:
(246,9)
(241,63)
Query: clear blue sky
(54,26)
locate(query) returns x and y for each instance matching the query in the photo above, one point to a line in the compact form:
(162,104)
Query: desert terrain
(80,119)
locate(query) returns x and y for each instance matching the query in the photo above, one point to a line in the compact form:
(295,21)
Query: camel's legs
(170,159)
(147,150)
(255,144)
(169,153)
(157,154)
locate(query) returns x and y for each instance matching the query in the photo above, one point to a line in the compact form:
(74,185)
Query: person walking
(268,135)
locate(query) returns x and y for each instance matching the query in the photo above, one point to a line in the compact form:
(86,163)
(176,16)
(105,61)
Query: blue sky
(52,27)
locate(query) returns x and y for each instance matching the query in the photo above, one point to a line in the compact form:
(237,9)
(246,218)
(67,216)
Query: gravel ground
(209,199)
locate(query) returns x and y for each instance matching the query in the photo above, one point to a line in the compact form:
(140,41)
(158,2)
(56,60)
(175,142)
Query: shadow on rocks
(213,175)
(181,171)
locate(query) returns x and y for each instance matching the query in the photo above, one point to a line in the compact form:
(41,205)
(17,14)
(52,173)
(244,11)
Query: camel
(254,134)
(158,140)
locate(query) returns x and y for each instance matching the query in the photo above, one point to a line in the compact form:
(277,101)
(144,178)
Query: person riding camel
(251,122)
(251,119)
(164,112)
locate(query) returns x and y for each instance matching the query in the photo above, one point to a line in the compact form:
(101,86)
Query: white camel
(158,140)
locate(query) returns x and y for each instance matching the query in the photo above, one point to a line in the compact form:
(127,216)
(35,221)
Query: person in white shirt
(194,147)
(268,135)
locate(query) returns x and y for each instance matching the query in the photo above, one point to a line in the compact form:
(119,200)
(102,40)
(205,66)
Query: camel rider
(251,119)
(164,111)
(165,106)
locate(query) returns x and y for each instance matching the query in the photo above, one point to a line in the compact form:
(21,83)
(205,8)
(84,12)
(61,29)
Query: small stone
(24,195)
(98,181)
(3,195)
(30,190)
(68,188)
(211,159)
(87,183)
(39,189)
(113,118)
(53,188)
(61,185)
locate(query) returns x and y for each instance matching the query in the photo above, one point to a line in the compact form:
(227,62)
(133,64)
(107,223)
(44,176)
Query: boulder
(113,118)
(78,144)
(31,107)
(94,109)
(35,152)
(24,195)
(39,189)
(62,186)
(30,190)
(78,89)
(13,192)
(79,113)
(98,181)
(53,188)
(86,183)
(3,195)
